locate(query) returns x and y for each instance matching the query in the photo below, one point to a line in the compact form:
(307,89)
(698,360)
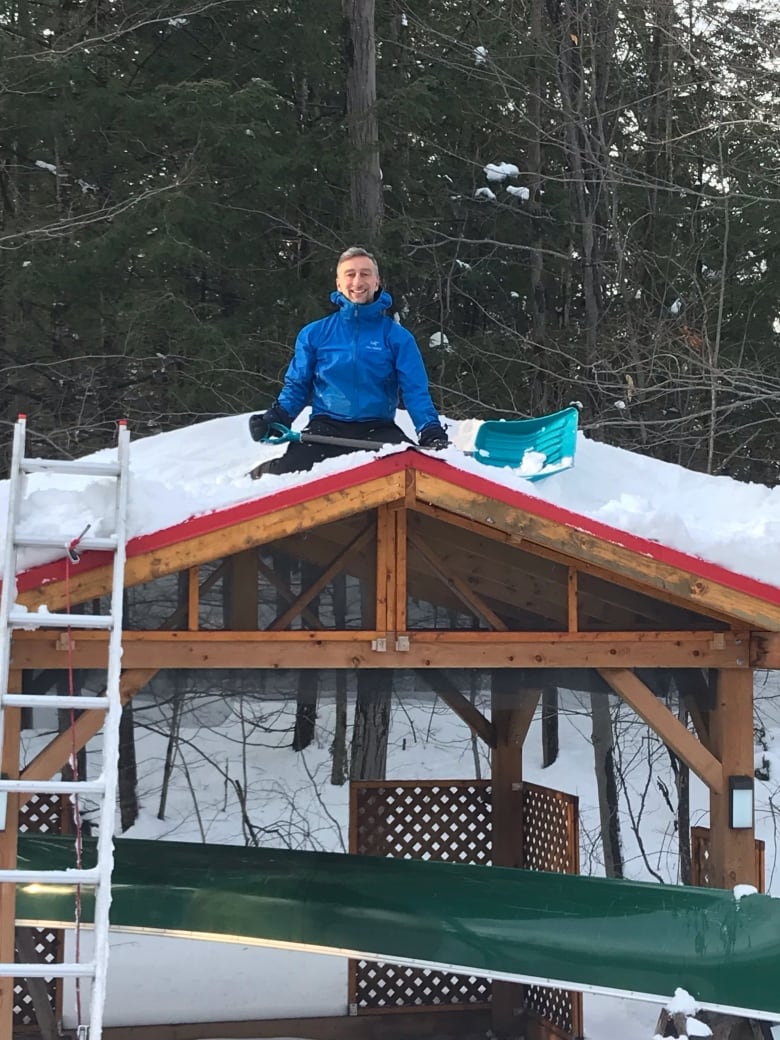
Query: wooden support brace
(665,724)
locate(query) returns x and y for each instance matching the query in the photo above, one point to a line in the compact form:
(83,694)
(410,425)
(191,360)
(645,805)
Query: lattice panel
(388,986)
(561,1008)
(451,820)
(41,814)
(700,857)
(47,950)
(443,821)
(550,839)
(701,861)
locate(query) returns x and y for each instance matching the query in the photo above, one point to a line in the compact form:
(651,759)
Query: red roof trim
(384,466)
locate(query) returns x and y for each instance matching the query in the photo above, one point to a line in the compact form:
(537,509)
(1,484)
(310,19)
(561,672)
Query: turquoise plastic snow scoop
(537,447)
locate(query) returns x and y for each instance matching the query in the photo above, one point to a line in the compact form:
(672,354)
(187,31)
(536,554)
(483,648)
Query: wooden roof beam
(352,648)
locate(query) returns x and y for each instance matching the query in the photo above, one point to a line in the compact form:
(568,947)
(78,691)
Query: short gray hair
(353,251)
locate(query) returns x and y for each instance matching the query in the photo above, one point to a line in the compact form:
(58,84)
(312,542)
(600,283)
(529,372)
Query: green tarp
(586,933)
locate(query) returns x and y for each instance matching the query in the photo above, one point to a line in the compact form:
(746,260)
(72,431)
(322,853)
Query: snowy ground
(293,804)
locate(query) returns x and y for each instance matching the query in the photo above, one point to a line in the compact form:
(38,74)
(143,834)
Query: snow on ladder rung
(60,700)
(66,970)
(78,467)
(53,786)
(37,541)
(20,876)
(31,619)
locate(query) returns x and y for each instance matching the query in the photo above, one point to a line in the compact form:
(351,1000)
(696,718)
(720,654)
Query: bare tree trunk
(682,777)
(338,769)
(534,111)
(365,173)
(605,780)
(178,704)
(372,707)
(173,745)
(305,709)
(308,679)
(549,725)
(128,771)
(372,724)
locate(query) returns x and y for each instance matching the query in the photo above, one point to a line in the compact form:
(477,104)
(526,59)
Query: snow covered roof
(194,480)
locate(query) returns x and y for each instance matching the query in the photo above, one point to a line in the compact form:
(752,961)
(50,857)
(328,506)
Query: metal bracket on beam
(402,644)
(380,645)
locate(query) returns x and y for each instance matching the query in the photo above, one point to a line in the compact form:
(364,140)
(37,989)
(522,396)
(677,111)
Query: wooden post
(384,610)
(400,570)
(391,592)
(732,852)
(512,711)
(8,848)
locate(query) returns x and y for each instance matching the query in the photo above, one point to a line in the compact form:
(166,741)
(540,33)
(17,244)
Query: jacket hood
(362,310)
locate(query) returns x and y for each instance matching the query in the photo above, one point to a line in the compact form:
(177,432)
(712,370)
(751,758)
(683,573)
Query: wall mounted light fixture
(740,802)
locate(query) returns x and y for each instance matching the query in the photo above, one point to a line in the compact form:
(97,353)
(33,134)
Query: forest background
(572,200)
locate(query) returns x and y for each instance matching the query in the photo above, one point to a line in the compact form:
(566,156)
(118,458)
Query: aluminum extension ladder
(104,788)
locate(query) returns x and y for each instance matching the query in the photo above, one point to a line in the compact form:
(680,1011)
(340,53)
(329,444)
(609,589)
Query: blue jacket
(352,365)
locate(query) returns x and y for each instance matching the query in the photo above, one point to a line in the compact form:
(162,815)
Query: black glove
(433,436)
(260,424)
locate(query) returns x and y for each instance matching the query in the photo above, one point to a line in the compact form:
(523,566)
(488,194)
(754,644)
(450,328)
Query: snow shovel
(536,447)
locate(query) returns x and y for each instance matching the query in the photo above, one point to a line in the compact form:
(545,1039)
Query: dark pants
(300,456)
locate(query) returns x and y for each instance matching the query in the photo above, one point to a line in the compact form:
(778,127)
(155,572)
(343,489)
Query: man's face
(357,279)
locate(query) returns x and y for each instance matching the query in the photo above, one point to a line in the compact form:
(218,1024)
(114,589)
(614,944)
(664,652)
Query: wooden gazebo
(549,591)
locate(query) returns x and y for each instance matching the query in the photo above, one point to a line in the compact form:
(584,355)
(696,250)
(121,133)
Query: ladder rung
(45,619)
(54,786)
(48,971)
(60,700)
(20,876)
(76,466)
(32,541)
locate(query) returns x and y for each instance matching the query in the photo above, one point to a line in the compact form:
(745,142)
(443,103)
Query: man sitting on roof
(351,366)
